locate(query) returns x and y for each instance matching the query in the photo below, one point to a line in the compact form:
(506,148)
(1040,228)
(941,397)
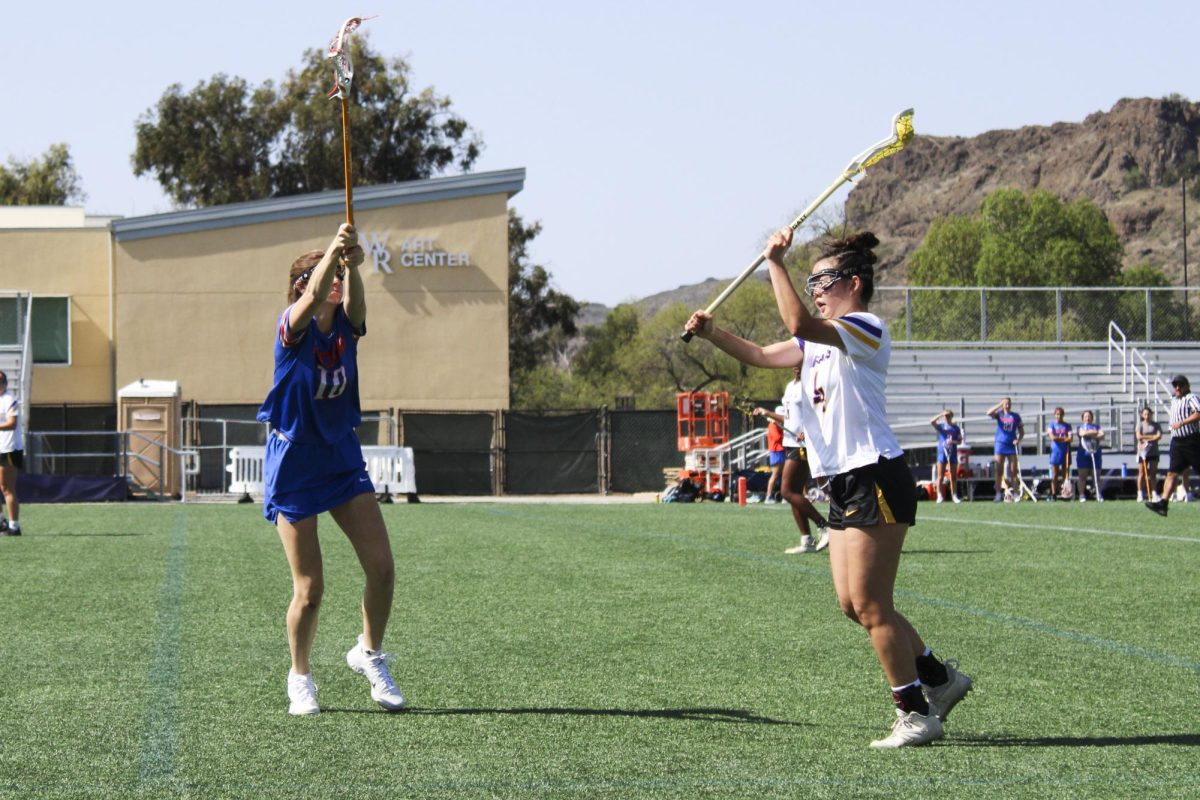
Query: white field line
(1062,529)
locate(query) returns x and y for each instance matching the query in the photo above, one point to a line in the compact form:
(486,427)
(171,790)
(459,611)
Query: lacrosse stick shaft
(346,162)
(748,271)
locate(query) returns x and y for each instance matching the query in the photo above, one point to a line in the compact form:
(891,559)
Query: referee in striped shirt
(1185,438)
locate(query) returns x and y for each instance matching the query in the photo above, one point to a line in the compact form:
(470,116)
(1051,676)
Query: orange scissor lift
(702,432)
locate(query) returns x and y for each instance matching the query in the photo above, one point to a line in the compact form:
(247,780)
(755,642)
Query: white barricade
(391,469)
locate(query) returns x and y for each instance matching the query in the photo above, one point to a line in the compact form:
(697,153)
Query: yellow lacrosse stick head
(902,134)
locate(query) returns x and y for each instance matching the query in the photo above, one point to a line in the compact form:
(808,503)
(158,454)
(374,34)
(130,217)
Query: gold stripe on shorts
(884,508)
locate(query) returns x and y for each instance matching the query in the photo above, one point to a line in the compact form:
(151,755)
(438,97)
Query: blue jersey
(1059,429)
(1089,444)
(1007,426)
(314,399)
(948,438)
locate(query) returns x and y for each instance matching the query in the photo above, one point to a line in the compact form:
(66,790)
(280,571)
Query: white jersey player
(845,354)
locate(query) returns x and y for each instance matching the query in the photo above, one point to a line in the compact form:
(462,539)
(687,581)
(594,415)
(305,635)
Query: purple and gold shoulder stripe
(859,328)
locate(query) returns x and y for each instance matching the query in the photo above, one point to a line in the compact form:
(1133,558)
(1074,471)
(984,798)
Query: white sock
(14,525)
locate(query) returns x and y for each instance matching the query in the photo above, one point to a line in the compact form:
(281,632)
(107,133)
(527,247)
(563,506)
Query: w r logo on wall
(381,258)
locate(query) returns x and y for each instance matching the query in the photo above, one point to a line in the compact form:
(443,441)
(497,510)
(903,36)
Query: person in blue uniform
(1059,433)
(314,462)
(1010,430)
(1088,461)
(949,438)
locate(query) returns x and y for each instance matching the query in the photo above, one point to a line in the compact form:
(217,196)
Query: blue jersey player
(1059,433)
(1009,432)
(314,462)
(949,438)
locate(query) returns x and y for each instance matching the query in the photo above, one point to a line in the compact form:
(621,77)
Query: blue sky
(662,140)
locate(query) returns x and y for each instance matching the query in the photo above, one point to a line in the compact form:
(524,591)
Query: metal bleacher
(923,380)
(971,379)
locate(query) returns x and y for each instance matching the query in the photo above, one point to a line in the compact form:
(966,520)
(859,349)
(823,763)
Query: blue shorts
(1058,455)
(302,479)
(1005,449)
(1083,460)
(776,458)
(952,461)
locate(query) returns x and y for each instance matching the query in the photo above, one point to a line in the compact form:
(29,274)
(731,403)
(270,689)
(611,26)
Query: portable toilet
(149,412)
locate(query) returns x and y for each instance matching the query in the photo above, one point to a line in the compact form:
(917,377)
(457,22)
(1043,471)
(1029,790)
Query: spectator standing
(1010,430)
(1147,434)
(1060,434)
(775,452)
(1089,460)
(949,438)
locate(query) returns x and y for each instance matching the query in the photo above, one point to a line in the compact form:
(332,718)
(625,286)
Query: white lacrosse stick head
(339,52)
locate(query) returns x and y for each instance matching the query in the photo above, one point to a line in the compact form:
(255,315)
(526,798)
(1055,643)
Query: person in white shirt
(796,472)
(1185,439)
(873,499)
(12,458)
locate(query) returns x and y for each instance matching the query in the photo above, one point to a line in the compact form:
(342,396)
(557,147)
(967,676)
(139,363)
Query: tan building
(195,296)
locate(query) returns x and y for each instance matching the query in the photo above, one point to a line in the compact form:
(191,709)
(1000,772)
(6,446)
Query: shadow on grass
(1182,739)
(919,552)
(733,715)
(89,535)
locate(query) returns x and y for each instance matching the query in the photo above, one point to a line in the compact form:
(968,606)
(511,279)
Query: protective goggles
(304,276)
(824,280)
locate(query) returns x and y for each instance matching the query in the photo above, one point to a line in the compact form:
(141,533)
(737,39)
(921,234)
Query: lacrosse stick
(1095,476)
(1023,487)
(902,133)
(343,74)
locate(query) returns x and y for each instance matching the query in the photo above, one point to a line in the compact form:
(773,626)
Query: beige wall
(201,308)
(73,262)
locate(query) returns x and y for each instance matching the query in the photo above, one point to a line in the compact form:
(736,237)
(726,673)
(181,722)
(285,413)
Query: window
(51,330)
(10,321)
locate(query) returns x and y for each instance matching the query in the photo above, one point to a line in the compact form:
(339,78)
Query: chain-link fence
(1040,314)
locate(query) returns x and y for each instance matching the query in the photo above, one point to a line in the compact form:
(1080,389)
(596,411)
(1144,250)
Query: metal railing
(1136,370)
(1047,314)
(122,457)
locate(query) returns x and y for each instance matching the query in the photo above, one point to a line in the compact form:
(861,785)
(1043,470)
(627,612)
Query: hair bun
(861,244)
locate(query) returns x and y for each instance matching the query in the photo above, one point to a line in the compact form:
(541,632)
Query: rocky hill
(1126,160)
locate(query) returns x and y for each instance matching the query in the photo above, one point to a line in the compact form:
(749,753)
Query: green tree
(539,316)
(665,365)
(47,181)
(226,141)
(1014,240)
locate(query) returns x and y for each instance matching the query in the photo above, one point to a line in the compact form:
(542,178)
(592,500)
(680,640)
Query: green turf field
(597,651)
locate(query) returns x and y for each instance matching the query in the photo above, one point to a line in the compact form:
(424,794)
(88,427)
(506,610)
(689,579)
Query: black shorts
(874,494)
(1185,452)
(14,459)
(800,456)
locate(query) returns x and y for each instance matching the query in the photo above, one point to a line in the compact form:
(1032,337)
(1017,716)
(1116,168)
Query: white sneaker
(941,499)
(945,697)
(302,695)
(1141,497)
(806,546)
(1155,497)
(956,498)
(1083,499)
(823,540)
(911,729)
(373,666)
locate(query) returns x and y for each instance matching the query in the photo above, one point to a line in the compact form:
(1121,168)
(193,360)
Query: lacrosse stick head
(902,133)
(339,53)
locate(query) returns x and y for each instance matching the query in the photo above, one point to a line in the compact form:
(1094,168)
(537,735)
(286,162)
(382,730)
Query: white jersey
(844,409)
(793,416)
(10,440)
